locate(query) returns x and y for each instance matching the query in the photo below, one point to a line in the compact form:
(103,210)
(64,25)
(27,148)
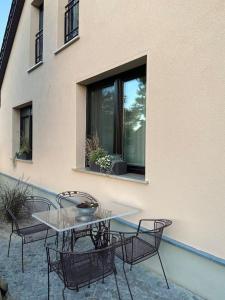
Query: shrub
(96,154)
(13,197)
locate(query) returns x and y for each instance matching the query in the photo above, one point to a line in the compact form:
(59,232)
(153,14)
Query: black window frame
(117,81)
(69,31)
(22,122)
(39,36)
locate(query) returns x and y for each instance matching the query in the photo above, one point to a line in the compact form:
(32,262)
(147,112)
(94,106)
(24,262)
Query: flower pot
(24,156)
(119,167)
(93,167)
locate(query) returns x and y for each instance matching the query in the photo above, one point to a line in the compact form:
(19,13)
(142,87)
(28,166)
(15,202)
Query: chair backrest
(69,198)
(39,203)
(153,236)
(14,221)
(80,269)
(32,205)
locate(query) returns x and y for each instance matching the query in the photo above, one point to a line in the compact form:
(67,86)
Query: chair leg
(57,240)
(46,237)
(48,284)
(124,271)
(117,287)
(22,257)
(9,242)
(163,270)
(63,293)
(63,241)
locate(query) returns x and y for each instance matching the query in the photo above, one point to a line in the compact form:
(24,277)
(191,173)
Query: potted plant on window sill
(95,159)
(99,161)
(25,150)
(93,153)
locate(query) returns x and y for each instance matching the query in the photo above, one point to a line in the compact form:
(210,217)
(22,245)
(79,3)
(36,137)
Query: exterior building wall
(182,42)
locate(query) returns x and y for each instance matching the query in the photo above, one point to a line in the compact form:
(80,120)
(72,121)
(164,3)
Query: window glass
(25,150)
(75,17)
(102,116)
(71,20)
(41,16)
(117,115)
(134,121)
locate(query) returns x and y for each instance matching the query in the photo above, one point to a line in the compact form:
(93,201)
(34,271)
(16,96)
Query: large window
(71,20)
(25,151)
(116,114)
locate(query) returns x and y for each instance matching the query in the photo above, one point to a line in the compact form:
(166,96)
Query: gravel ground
(32,285)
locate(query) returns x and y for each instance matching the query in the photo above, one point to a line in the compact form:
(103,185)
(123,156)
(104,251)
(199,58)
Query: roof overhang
(10,32)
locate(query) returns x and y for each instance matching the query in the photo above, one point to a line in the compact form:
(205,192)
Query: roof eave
(9,36)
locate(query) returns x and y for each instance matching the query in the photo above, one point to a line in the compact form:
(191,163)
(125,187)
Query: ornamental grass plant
(13,197)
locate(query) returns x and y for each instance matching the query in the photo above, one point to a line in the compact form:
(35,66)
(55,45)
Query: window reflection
(134,121)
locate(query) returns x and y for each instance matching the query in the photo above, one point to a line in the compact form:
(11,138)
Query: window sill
(35,67)
(137,178)
(27,161)
(76,38)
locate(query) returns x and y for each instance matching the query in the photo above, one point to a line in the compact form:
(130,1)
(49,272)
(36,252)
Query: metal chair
(135,247)
(78,270)
(71,198)
(26,227)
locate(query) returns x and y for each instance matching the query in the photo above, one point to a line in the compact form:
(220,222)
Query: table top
(63,219)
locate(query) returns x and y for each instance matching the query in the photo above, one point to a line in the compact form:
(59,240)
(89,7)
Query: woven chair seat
(84,273)
(33,229)
(35,233)
(136,252)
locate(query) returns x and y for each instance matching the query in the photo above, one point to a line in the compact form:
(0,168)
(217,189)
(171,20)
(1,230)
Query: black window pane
(39,36)
(41,17)
(71,20)
(25,150)
(134,94)
(102,116)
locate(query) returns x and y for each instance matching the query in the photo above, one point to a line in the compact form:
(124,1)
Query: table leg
(101,239)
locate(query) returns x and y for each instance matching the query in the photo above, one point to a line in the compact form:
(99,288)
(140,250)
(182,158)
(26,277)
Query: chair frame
(60,263)
(132,235)
(16,229)
(75,234)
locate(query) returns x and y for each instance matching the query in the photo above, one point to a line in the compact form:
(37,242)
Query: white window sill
(27,161)
(76,38)
(137,178)
(35,67)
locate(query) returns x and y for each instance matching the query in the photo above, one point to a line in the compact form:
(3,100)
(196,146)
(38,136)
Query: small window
(71,20)
(116,113)
(39,36)
(25,151)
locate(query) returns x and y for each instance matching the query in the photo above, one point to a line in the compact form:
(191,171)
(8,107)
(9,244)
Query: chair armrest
(165,222)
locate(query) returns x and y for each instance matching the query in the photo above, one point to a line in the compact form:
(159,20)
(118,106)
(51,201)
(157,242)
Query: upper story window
(71,20)
(116,113)
(39,35)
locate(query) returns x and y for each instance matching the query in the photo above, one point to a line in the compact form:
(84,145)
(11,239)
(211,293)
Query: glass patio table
(67,219)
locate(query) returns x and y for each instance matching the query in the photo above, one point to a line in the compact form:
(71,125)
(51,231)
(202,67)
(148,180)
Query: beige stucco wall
(185,137)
